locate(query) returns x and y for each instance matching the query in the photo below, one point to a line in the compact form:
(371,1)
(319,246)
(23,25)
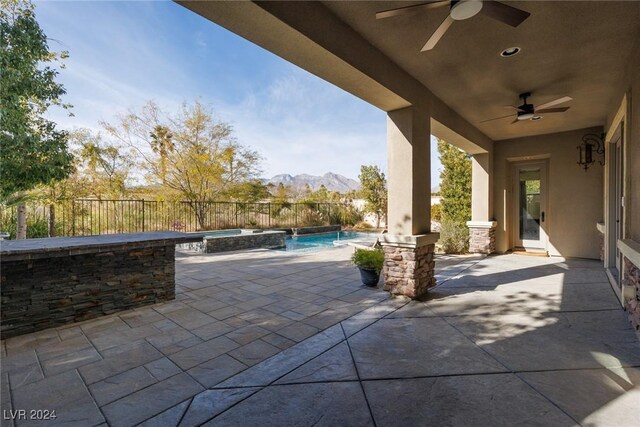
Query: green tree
(374,191)
(104,166)
(320,195)
(306,191)
(282,193)
(162,144)
(202,163)
(32,150)
(249,191)
(455,183)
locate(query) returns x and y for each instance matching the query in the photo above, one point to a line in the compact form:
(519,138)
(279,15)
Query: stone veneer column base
(600,228)
(409,264)
(482,237)
(631,278)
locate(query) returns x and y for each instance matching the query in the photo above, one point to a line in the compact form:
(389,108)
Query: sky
(125,53)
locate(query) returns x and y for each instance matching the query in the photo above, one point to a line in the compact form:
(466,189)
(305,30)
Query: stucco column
(482,227)
(409,245)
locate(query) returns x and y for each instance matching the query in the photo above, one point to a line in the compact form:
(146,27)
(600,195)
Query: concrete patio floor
(271,338)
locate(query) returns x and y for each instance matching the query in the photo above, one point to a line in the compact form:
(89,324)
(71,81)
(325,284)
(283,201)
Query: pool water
(327,240)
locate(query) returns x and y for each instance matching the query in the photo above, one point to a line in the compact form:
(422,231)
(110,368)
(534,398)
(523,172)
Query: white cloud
(303,125)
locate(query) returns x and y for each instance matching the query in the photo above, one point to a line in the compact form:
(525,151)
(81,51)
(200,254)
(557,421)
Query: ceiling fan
(528,111)
(459,11)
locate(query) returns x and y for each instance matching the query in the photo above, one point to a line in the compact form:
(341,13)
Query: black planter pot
(369,277)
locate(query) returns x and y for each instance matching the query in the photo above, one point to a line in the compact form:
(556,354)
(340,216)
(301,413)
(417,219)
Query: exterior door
(530,200)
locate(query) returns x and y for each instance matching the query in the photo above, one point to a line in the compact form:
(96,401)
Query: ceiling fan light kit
(528,111)
(525,116)
(459,10)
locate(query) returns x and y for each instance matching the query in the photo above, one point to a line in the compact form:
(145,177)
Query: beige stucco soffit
(308,35)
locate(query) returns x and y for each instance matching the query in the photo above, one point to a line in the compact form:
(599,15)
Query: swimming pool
(327,240)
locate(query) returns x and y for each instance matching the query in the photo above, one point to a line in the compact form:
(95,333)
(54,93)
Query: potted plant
(370,262)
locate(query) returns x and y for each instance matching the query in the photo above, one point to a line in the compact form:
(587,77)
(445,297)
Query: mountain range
(332,181)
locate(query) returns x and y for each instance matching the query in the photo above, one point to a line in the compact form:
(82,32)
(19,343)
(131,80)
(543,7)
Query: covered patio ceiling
(569,48)
(578,49)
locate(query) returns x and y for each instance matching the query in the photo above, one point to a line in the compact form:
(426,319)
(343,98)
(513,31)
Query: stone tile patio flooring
(271,338)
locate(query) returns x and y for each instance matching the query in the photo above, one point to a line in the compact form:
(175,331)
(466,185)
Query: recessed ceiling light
(510,51)
(534,118)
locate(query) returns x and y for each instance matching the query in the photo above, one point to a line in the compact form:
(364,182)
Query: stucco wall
(574,196)
(630,86)
(632,193)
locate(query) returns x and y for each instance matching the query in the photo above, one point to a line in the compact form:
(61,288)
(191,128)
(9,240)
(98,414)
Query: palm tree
(162,144)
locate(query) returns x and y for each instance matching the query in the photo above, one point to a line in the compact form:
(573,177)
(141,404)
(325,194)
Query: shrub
(311,218)
(283,215)
(362,225)
(454,237)
(436,212)
(345,215)
(368,259)
(37,227)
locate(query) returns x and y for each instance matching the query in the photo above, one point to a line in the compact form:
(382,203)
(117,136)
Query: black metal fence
(82,217)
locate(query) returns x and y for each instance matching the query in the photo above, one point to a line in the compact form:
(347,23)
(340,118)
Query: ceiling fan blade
(513,107)
(433,40)
(554,102)
(504,13)
(497,118)
(515,121)
(411,9)
(552,110)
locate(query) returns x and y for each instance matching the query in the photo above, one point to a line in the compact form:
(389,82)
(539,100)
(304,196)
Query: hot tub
(235,240)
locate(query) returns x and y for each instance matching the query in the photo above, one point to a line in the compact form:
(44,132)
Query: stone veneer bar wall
(51,282)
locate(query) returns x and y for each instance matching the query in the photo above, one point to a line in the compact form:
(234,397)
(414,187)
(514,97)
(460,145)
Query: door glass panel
(529,207)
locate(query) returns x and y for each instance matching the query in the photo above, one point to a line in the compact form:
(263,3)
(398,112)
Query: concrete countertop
(61,246)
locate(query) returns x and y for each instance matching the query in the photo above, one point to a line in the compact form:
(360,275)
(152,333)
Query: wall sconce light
(591,144)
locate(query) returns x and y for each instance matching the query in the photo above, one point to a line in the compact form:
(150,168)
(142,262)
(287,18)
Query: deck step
(530,252)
